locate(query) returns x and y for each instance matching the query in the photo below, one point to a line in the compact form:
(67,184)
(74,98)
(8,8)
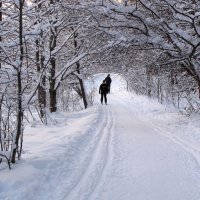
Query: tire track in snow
(83,188)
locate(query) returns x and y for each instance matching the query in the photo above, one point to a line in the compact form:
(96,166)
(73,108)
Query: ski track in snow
(84,187)
(90,161)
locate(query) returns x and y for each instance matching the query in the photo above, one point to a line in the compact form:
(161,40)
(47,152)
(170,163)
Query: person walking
(103,90)
(108,82)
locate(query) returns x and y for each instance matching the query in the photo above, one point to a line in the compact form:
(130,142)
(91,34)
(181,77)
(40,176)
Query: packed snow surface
(132,149)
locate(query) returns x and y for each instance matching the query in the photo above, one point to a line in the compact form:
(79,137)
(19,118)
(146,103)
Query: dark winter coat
(103,89)
(108,80)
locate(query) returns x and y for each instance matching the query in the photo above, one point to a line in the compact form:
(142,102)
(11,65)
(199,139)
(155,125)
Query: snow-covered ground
(132,149)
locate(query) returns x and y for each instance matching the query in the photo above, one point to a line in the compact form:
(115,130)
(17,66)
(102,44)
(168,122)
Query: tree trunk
(42,97)
(2,94)
(19,130)
(52,80)
(41,88)
(148,83)
(198,86)
(19,121)
(40,66)
(53,101)
(52,90)
(78,71)
(0,22)
(83,93)
(1,102)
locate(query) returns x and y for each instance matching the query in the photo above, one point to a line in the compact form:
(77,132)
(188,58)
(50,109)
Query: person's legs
(101,98)
(108,88)
(105,98)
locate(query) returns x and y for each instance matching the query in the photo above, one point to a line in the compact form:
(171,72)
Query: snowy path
(148,166)
(85,185)
(124,157)
(114,152)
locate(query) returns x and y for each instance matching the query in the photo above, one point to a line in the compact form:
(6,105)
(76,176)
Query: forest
(49,48)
